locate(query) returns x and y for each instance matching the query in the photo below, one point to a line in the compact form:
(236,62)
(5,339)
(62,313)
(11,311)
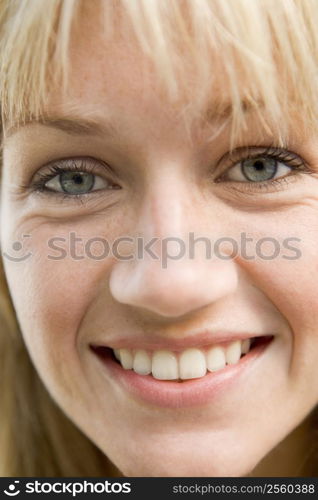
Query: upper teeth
(190,363)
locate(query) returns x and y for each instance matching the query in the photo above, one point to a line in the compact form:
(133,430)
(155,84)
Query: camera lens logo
(17,246)
(12,490)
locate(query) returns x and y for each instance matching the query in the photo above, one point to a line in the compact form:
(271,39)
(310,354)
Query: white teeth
(164,365)
(192,364)
(246,344)
(142,363)
(215,359)
(233,352)
(117,354)
(126,359)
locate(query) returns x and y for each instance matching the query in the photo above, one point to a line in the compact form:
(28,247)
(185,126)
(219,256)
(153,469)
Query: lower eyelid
(271,186)
(81,200)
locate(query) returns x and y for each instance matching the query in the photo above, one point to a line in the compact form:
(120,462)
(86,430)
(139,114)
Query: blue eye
(76,182)
(258,169)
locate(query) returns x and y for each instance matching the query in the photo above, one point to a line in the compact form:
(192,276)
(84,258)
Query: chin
(195,465)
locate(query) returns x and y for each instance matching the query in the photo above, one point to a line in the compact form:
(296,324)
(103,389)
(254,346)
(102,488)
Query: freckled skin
(166,190)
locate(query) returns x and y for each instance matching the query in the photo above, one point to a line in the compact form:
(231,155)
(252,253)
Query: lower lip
(170,394)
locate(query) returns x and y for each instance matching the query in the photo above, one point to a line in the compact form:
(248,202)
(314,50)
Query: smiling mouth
(191,363)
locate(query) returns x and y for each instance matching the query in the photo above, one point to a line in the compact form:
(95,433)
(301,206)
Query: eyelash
(293,161)
(86,165)
(238,156)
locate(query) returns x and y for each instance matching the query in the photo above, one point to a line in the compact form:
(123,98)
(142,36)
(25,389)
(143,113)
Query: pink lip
(169,394)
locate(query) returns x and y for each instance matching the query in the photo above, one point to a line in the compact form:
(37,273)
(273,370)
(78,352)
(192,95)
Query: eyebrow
(78,126)
(72,125)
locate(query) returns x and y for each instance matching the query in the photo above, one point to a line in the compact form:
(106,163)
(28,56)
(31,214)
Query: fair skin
(167,188)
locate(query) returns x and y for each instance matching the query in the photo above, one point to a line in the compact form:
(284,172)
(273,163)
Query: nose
(174,278)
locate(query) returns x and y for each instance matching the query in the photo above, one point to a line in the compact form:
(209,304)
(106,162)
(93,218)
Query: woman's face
(146,175)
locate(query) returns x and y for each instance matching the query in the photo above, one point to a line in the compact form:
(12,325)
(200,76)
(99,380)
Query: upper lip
(199,339)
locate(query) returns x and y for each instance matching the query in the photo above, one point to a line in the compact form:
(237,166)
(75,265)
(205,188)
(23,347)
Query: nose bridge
(166,209)
(175,220)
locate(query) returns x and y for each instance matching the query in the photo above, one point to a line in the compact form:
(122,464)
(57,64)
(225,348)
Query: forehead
(115,71)
(112,76)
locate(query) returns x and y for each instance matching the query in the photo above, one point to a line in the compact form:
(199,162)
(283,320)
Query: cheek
(289,281)
(52,291)
(294,292)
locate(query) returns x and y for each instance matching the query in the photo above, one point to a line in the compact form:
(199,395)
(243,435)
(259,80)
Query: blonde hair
(267,55)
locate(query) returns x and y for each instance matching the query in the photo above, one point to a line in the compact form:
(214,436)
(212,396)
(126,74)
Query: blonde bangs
(260,53)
